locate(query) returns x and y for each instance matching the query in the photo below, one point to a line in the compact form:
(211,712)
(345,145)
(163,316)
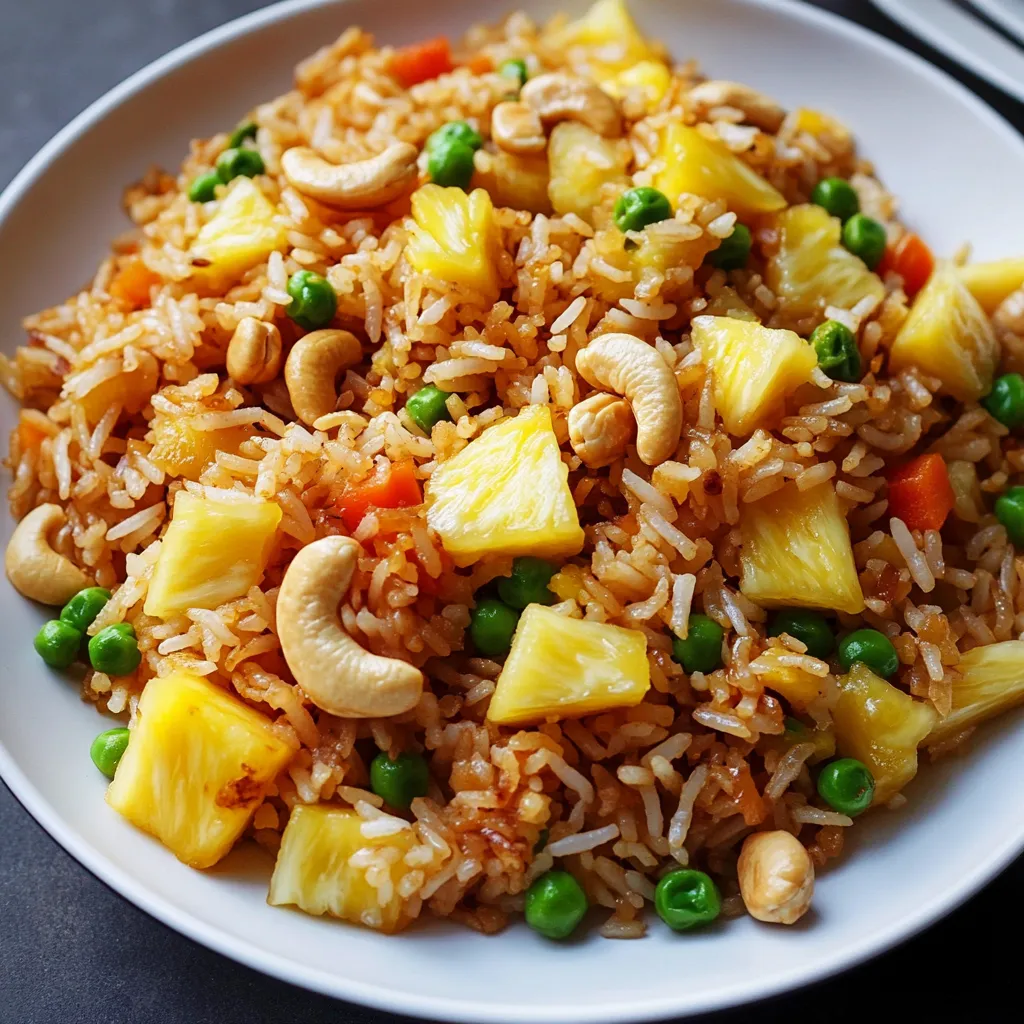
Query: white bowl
(957,167)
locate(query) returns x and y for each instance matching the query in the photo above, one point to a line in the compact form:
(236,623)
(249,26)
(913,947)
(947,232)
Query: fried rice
(618,796)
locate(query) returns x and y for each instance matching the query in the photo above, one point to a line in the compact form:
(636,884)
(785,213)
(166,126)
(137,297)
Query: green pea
(872,648)
(837,350)
(114,650)
(528,583)
(701,651)
(837,196)
(450,164)
(734,251)
(57,643)
(810,628)
(1010,512)
(686,899)
(204,188)
(245,130)
(1005,401)
(866,238)
(107,750)
(82,609)
(846,786)
(516,70)
(314,302)
(460,132)
(400,781)
(427,407)
(555,904)
(239,163)
(638,207)
(491,626)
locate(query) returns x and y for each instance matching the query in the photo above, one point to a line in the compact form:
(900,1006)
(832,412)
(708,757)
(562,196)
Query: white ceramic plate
(967,39)
(959,168)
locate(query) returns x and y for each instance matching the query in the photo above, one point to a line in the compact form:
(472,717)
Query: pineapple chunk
(834,134)
(506,493)
(753,368)
(880,725)
(520,182)
(131,390)
(566,668)
(812,269)
(242,233)
(992,283)
(948,336)
(198,764)
(581,163)
(313,870)
(181,450)
(212,552)
(608,28)
(454,237)
(695,163)
(991,682)
(795,685)
(650,77)
(796,551)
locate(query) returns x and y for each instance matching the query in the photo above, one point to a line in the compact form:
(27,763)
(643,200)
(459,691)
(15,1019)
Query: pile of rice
(681,778)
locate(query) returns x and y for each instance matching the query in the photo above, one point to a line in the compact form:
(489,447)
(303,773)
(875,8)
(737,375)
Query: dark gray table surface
(71,950)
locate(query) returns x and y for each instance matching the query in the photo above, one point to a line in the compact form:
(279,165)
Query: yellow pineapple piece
(130,389)
(796,551)
(581,163)
(243,232)
(879,724)
(608,29)
(565,668)
(651,77)
(948,335)
(695,163)
(181,450)
(519,182)
(314,870)
(812,269)
(753,368)
(991,682)
(992,283)
(835,135)
(198,764)
(796,685)
(454,237)
(506,493)
(212,552)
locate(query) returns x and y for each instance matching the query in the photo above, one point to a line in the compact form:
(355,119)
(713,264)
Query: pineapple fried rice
(524,475)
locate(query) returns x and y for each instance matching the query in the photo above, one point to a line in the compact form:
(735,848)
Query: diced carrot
(421,61)
(29,435)
(911,258)
(920,493)
(394,487)
(480,64)
(748,800)
(132,282)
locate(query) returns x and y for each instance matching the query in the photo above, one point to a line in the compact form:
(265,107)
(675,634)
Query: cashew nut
(334,671)
(600,427)
(36,570)
(312,366)
(517,128)
(632,368)
(254,352)
(776,877)
(757,109)
(558,96)
(356,186)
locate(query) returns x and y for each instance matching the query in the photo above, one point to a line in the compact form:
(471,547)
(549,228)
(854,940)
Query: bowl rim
(281,967)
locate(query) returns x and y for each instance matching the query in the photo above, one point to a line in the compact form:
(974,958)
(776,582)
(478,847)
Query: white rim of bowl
(433,1007)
